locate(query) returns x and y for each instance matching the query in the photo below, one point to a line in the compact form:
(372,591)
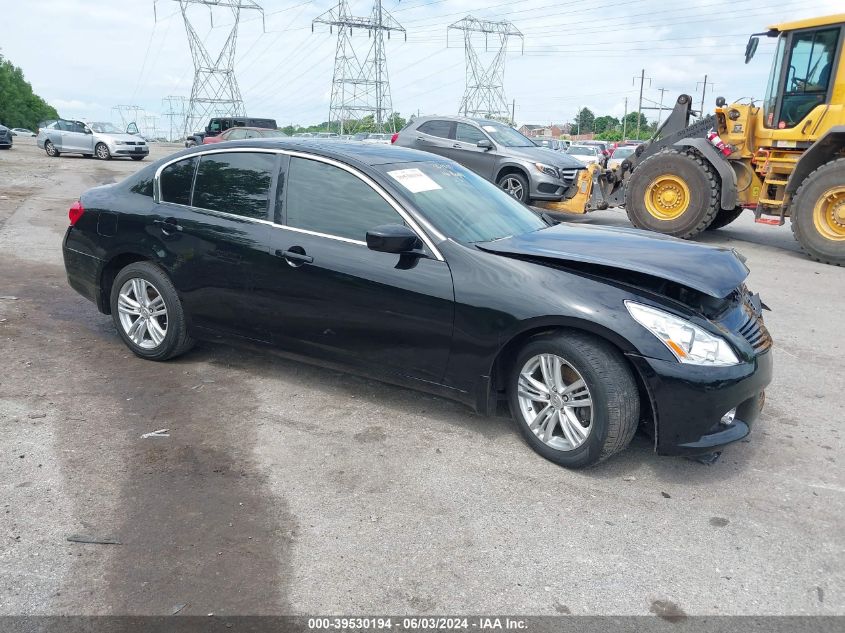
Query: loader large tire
(817,212)
(724,217)
(675,192)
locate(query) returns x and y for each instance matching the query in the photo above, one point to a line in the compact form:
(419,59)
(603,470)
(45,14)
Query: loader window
(811,60)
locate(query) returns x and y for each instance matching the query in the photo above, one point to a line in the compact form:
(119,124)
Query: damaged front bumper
(690,402)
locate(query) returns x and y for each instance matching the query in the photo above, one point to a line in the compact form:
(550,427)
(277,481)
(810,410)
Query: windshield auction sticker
(414,180)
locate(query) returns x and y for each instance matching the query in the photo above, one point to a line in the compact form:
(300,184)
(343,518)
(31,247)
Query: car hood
(543,155)
(714,271)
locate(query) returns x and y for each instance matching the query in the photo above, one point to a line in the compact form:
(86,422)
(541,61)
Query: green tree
(605,123)
(631,126)
(584,121)
(19,106)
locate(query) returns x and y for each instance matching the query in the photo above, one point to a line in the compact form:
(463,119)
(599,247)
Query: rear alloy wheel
(674,192)
(102,151)
(148,313)
(574,398)
(515,185)
(51,150)
(818,213)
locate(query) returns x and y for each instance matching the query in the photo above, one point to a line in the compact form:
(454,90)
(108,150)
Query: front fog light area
(687,342)
(728,418)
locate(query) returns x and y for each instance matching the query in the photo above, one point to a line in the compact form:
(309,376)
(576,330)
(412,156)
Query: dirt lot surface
(285,488)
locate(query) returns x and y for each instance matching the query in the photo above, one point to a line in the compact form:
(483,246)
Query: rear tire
(723,218)
(674,192)
(608,385)
(817,213)
(516,185)
(148,314)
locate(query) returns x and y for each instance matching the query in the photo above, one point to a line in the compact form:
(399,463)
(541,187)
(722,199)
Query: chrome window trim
(412,221)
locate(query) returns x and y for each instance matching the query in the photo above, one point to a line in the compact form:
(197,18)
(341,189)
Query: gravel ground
(288,489)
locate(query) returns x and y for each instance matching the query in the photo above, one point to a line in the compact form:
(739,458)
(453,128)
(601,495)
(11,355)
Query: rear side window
(437,128)
(176,180)
(236,183)
(326,199)
(469,134)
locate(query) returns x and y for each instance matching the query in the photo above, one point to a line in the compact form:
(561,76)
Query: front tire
(817,213)
(102,151)
(573,398)
(674,192)
(515,185)
(50,149)
(148,314)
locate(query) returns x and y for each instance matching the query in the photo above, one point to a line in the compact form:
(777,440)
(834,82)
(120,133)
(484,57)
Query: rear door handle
(457,145)
(168,225)
(295,257)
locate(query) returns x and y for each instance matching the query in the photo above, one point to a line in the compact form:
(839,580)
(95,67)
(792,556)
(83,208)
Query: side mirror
(87,130)
(484,144)
(392,238)
(751,48)
(132,128)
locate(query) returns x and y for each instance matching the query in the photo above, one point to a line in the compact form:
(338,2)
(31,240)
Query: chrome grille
(568,175)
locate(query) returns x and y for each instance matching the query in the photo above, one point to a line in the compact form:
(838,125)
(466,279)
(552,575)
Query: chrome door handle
(168,225)
(295,258)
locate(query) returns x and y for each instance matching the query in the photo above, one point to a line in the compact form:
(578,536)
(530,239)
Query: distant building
(543,131)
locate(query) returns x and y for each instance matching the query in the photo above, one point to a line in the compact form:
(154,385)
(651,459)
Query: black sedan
(407,267)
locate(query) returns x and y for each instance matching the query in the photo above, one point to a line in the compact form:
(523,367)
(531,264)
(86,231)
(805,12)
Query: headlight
(689,343)
(547,169)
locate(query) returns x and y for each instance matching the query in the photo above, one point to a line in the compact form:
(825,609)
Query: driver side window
(811,64)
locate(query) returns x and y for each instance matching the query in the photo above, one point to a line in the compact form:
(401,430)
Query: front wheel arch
(503,362)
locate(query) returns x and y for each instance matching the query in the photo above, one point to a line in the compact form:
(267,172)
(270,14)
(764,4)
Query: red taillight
(394,137)
(75,212)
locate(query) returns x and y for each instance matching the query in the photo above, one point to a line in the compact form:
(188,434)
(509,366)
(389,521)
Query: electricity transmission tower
(360,88)
(215,90)
(127,114)
(485,92)
(174,112)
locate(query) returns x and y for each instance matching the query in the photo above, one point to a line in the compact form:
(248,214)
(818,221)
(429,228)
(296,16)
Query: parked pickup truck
(102,140)
(218,125)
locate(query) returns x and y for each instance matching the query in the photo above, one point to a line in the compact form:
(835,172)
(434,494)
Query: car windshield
(507,136)
(461,204)
(623,152)
(104,128)
(583,150)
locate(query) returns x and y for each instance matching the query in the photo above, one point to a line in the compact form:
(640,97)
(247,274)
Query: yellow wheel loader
(782,158)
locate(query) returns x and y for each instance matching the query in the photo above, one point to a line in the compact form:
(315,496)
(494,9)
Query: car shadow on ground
(638,460)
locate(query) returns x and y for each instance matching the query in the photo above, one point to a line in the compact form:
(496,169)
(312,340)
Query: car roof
(364,153)
(453,117)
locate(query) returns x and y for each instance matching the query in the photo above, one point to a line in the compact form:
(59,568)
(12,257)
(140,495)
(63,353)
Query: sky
(86,56)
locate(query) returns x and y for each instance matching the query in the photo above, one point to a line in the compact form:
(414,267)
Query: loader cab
(806,71)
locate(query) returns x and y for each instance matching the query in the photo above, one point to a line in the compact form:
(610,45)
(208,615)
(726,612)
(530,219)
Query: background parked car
(549,143)
(100,139)
(5,137)
(586,154)
(619,154)
(218,125)
(372,137)
(241,133)
(495,151)
(21,131)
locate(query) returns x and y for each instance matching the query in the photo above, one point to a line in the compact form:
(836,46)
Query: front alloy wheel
(102,151)
(556,400)
(515,185)
(573,397)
